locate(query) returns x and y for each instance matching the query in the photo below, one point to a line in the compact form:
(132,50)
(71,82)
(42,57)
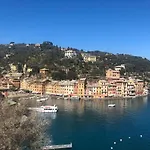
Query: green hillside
(52,57)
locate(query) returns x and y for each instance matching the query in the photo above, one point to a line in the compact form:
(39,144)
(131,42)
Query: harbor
(93,125)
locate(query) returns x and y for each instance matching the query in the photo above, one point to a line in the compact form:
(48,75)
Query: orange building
(112,74)
(16,83)
(37,87)
(139,88)
(111,89)
(52,87)
(44,72)
(33,86)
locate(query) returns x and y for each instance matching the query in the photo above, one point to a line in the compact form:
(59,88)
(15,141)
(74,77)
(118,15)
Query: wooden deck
(55,147)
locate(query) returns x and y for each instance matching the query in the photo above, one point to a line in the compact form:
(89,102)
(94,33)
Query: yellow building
(52,88)
(125,89)
(131,87)
(67,87)
(89,58)
(93,90)
(81,85)
(112,74)
(111,89)
(104,88)
(24,84)
(121,87)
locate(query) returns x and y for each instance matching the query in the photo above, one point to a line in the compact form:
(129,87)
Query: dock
(55,147)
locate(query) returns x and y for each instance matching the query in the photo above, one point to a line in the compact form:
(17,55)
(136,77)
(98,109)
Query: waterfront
(92,125)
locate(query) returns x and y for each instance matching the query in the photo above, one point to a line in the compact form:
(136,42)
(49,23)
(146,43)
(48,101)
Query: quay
(55,147)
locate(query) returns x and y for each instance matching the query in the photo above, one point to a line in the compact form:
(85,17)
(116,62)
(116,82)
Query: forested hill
(48,55)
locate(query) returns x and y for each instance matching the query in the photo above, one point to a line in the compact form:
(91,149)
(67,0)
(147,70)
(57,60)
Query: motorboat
(52,109)
(111,105)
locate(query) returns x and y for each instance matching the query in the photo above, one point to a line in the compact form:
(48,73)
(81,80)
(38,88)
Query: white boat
(42,99)
(52,109)
(111,105)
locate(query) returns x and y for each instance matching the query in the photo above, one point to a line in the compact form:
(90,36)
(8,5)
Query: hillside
(53,57)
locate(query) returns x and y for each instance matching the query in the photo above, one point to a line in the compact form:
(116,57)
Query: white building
(118,68)
(67,87)
(70,53)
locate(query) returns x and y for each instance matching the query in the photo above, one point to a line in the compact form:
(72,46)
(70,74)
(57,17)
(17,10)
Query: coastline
(115,98)
(17,95)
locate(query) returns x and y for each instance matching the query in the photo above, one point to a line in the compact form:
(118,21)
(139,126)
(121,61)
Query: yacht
(52,109)
(111,105)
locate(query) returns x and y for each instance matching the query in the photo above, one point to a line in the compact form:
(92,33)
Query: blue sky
(118,26)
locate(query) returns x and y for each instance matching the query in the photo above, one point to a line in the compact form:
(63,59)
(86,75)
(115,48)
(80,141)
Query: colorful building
(44,72)
(101,89)
(93,90)
(112,74)
(104,88)
(139,87)
(131,87)
(81,87)
(111,89)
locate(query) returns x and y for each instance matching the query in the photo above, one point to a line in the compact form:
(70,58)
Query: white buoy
(111,148)
(141,136)
(129,137)
(114,142)
(120,140)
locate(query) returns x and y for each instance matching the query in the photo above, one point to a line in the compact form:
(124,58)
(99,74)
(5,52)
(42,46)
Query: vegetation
(20,129)
(52,57)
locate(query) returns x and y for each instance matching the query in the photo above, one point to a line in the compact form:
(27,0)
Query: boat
(111,105)
(42,99)
(52,109)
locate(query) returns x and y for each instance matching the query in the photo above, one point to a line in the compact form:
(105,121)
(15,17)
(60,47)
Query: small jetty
(55,147)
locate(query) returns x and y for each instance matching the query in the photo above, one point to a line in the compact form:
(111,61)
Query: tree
(19,128)
(122,71)
(72,75)
(46,45)
(59,75)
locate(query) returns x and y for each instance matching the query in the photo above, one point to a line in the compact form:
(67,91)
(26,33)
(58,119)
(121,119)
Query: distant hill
(51,56)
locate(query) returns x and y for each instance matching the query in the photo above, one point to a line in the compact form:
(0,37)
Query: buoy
(111,148)
(129,137)
(114,142)
(120,140)
(141,136)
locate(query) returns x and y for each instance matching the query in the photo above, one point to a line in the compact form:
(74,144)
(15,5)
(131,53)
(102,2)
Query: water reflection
(47,116)
(99,106)
(92,125)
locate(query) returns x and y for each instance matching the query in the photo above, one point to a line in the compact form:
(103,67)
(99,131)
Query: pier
(55,147)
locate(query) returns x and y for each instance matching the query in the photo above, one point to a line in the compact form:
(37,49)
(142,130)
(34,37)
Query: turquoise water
(91,125)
